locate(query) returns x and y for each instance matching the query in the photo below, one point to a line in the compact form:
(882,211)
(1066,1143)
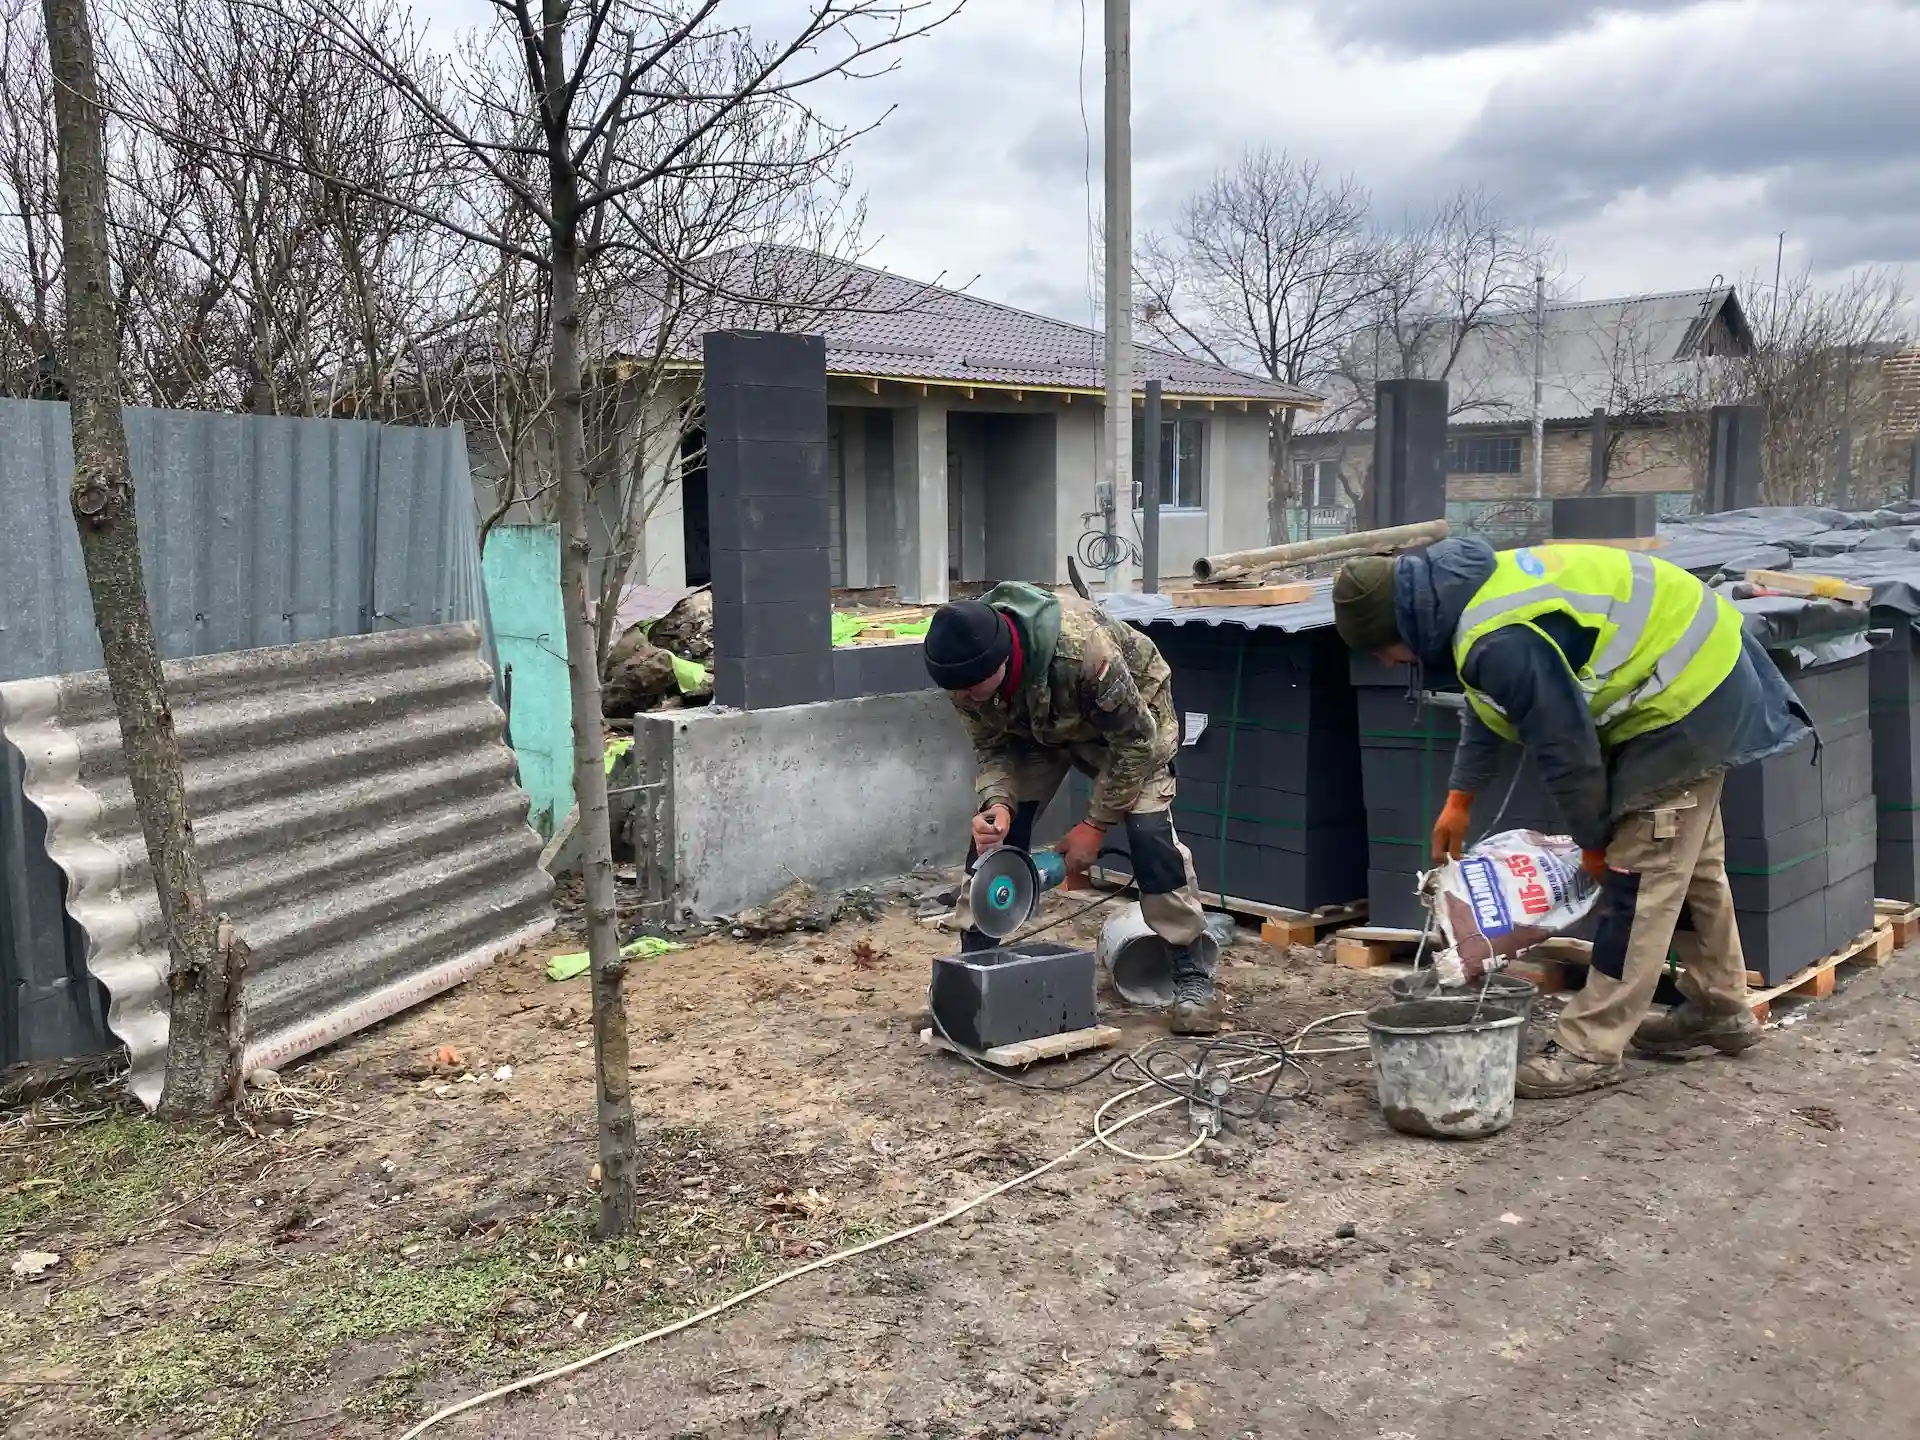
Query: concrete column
(853,499)
(920,502)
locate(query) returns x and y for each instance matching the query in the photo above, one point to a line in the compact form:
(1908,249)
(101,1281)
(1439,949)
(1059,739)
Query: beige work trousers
(1176,916)
(1666,867)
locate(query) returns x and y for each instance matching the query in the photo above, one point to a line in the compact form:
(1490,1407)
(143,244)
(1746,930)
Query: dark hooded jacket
(1750,715)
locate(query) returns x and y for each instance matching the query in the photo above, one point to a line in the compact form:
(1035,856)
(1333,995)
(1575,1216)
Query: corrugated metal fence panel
(256,530)
(51,1007)
(356,815)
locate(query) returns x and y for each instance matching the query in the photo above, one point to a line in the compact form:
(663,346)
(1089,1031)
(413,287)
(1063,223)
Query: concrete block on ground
(835,794)
(1605,517)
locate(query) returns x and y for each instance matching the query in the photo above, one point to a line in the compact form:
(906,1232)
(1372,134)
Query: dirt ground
(1724,1246)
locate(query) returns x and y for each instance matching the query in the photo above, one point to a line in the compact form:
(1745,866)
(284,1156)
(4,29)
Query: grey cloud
(1449,27)
(1819,106)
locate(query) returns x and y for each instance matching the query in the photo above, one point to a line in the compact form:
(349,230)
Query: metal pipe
(1238,563)
(1150,495)
(1539,426)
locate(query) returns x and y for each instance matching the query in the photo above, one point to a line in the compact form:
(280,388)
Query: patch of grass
(107,1176)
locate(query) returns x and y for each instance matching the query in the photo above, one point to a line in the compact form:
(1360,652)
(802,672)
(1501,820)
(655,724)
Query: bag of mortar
(1506,895)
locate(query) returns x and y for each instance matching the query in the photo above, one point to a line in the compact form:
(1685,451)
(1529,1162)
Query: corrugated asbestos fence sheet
(256,530)
(356,812)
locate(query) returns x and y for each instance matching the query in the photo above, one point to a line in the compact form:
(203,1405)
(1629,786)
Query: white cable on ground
(822,1263)
(1102,1136)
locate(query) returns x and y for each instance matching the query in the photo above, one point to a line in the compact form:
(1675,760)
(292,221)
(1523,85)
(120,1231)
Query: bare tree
(31,304)
(1817,372)
(199,1056)
(571,114)
(1271,266)
(1451,299)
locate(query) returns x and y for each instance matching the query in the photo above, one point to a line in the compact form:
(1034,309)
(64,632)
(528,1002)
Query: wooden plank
(1288,928)
(1631,542)
(1029,1052)
(1192,596)
(1824,587)
(1902,917)
(1363,947)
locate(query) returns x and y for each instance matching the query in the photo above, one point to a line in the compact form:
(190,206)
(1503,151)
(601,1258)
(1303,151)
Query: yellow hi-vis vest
(1663,640)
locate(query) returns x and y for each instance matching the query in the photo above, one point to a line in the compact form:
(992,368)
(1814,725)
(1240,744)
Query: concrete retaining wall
(835,794)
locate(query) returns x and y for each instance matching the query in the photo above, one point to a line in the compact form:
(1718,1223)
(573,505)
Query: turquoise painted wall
(522,568)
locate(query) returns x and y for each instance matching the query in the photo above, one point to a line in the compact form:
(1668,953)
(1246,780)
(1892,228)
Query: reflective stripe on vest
(1663,640)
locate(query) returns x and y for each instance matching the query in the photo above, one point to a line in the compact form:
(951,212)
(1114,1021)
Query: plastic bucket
(1135,958)
(1440,1070)
(1501,989)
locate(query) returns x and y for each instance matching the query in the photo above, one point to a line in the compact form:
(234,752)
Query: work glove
(1594,862)
(1081,847)
(990,827)
(1450,830)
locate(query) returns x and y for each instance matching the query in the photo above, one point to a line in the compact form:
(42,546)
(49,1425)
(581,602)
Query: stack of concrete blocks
(1405,762)
(1801,834)
(1269,776)
(1409,453)
(1893,691)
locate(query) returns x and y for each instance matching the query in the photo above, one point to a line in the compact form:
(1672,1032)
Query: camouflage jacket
(1104,689)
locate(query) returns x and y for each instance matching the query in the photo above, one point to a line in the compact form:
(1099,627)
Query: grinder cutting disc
(1006,887)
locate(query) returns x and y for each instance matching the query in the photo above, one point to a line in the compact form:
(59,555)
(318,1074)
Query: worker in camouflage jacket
(1045,685)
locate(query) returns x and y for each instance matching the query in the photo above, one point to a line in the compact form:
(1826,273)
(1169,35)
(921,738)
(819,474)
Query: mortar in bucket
(1135,958)
(1444,1066)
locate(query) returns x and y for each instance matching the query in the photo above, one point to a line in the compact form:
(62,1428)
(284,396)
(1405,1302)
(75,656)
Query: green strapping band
(1782,867)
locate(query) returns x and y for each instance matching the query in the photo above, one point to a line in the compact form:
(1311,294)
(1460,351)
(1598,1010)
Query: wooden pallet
(1279,926)
(1362,947)
(1903,917)
(1816,982)
(1029,1052)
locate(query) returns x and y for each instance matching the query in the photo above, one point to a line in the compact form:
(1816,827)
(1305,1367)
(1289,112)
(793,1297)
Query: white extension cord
(1102,1136)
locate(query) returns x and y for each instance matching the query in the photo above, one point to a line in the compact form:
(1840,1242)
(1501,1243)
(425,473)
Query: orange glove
(1450,830)
(1081,846)
(1594,862)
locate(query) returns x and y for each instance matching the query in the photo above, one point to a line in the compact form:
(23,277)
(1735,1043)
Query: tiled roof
(883,326)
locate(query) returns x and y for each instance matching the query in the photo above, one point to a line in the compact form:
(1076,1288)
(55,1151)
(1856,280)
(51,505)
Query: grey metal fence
(256,530)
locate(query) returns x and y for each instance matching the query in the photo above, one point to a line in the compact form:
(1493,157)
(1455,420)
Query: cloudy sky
(1659,142)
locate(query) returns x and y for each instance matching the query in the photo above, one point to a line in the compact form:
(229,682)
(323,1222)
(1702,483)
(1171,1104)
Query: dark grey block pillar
(1605,517)
(1409,452)
(1733,457)
(768,515)
(1597,456)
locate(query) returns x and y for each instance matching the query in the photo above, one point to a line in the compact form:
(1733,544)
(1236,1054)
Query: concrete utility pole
(1539,375)
(1119,228)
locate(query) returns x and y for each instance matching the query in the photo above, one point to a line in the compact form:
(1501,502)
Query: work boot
(1196,1007)
(1688,1027)
(1554,1074)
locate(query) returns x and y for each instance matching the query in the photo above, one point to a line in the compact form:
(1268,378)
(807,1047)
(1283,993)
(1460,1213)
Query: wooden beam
(922,388)
(1291,593)
(1019,397)
(1825,587)
(1243,406)
(1066,397)
(1209,404)
(873,385)
(969,392)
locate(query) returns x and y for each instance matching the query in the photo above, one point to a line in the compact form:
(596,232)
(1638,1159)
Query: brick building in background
(1646,360)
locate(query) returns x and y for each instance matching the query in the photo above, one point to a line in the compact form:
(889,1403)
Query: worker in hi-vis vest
(1633,688)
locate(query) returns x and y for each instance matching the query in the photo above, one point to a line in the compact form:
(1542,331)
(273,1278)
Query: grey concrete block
(1605,517)
(1896,870)
(763,357)
(1853,839)
(1023,991)
(1772,795)
(770,522)
(758,413)
(1849,910)
(776,627)
(1846,773)
(1780,942)
(765,682)
(757,576)
(886,668)
(769,467)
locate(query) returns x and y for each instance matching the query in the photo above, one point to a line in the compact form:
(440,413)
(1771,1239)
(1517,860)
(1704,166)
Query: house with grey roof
(964,435)
(1645,361)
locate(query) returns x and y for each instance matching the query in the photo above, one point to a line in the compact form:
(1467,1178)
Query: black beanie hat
(1363,608)
(966,642)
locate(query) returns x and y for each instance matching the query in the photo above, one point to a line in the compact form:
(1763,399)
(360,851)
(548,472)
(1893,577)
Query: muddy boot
(1196,1008)
(1688,1027)
(1554,1074)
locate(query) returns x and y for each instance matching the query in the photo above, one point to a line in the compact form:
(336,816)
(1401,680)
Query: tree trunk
(617,1143)
(103,508)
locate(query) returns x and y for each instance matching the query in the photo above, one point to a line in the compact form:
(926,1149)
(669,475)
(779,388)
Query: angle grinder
(1007,885)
